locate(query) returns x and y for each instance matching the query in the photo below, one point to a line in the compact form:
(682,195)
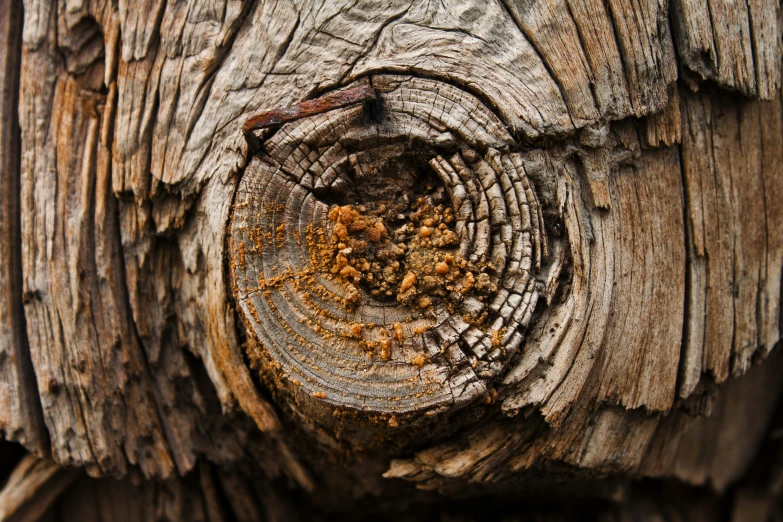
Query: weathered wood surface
(20,415)
(616,175)
(32,487)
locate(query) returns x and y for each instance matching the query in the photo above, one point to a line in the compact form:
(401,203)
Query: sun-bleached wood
(618,162)
(20,415)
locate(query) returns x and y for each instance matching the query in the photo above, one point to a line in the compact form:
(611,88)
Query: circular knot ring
(384,256)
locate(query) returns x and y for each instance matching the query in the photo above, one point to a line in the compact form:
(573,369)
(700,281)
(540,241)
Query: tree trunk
(465,261)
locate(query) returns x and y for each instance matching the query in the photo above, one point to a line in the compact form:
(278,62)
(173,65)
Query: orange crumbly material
(419,360)
(415,263)
(401,250)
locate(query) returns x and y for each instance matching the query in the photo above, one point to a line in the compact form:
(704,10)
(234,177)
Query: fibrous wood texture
(550,249)
(32,487)
(428,359)
(20,416)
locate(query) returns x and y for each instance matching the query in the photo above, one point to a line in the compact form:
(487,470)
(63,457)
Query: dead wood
(519,249)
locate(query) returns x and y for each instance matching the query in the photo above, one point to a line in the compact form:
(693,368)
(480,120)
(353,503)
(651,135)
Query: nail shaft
(328,102)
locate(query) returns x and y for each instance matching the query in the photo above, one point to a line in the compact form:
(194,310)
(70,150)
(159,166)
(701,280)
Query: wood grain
(297,308)
(20,409)
(32,487)
(730,242)
(617,163)
(735,45)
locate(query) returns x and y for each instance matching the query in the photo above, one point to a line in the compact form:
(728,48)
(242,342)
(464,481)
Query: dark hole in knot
(386,176)
(393,235)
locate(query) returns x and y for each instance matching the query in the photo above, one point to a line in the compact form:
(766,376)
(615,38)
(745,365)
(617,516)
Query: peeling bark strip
(337,352)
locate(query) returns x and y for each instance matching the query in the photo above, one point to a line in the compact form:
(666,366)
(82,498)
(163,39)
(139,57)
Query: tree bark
(521,251)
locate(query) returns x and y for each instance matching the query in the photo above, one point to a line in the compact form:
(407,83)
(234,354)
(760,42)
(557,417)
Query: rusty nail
(328,102)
